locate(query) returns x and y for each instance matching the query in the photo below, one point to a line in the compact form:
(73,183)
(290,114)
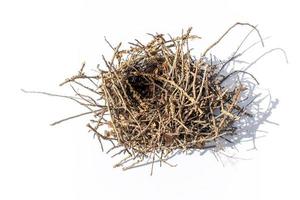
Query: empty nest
(157,98)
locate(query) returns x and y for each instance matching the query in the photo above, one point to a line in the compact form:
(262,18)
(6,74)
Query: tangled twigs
(160,98)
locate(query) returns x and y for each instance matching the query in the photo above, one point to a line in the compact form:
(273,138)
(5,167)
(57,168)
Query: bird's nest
(157,98)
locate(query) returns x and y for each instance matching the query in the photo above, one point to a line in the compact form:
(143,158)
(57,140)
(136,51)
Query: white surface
(43,42)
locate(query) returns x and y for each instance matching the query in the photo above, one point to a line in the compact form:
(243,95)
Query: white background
(43,42)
